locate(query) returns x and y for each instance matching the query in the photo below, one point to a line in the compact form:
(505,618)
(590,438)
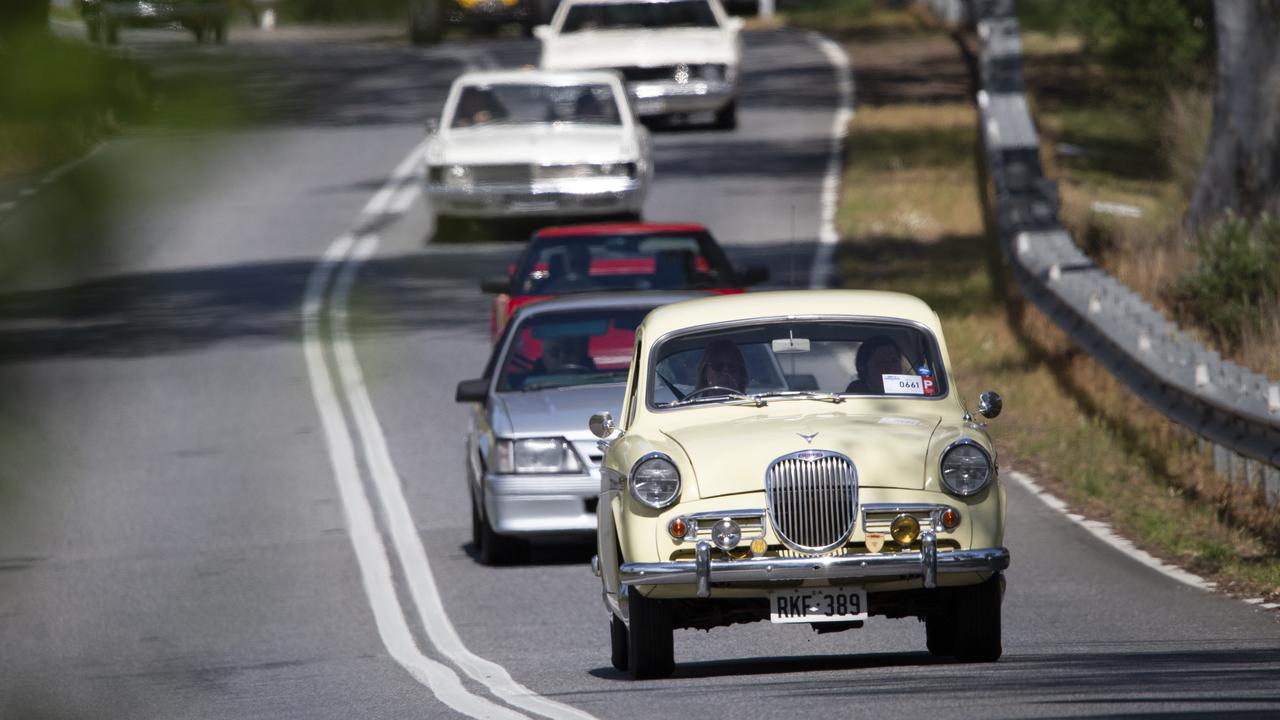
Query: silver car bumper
(604,196)
(667,96)
(541,504)
(704,571)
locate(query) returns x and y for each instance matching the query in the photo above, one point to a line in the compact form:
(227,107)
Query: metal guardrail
(1229,406)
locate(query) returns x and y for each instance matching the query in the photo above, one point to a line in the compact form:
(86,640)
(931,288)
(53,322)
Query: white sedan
(527,143)
(679,57)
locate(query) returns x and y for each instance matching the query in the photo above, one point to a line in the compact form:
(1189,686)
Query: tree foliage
(1236,282)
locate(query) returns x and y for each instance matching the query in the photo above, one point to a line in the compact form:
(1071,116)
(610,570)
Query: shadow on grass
(949,274)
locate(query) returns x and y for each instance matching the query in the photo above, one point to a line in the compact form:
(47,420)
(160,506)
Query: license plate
(820,604)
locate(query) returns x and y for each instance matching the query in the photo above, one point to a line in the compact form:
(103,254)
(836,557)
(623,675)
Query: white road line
(404,532)
(7,206)
(375,567)
(27,192)
(53,175)
(1103,532)
(828,237)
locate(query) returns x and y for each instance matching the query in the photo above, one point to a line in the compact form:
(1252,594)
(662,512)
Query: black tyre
(477,523)
(497,549)
(977,628)
(650,642)
(220,33)
(617,642)
(451,228)
(940,634)
(727,116)
(426,21)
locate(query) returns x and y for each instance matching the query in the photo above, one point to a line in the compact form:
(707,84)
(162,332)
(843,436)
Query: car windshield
(625,261)
(563,349)
(503,104)
(789,359)
(623,16)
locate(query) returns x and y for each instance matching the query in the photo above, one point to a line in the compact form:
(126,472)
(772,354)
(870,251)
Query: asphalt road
(216,503)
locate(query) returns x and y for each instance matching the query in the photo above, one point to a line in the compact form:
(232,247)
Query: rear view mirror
(754,275)
(990,404)
(495,284)
(602,425)
(472,391)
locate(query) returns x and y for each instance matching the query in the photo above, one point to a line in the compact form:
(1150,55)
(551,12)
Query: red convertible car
(615,256)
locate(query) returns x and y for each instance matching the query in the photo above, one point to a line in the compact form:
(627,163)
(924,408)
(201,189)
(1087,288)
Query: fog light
(950,518)
(905,529)
(726,534)
(677,528)
(758,546)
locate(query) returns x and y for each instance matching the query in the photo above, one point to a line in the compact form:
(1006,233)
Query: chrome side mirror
(432,126)
(602,425)
(542,32)
(990,404)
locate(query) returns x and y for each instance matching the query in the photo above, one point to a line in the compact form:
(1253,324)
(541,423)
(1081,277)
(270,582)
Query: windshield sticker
(903,384)
(926,378)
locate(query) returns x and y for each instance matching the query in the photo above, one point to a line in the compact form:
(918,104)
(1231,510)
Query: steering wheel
(694,393)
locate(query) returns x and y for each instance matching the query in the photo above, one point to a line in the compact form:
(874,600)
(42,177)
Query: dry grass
(912,219)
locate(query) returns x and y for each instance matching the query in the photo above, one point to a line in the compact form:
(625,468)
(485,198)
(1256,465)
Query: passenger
(722,365)
(477,106)
(877,356)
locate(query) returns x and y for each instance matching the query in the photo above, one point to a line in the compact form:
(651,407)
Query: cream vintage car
(798,457)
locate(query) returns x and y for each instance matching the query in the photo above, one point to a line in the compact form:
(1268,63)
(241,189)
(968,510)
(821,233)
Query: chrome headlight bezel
(537,456)
(458,176)
(965,446)
(646,489)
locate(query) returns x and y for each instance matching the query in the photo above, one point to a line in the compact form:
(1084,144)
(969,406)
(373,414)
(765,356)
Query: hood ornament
(808,437)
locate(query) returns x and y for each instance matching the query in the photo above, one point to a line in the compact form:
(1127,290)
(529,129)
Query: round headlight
(966,469)
(655,482)
(726,534)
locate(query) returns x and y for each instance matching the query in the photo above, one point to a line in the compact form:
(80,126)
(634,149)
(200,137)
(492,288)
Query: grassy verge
(912,221)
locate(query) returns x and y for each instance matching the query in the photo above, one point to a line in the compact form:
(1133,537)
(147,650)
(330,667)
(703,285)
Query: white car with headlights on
(526,143)
(679,57)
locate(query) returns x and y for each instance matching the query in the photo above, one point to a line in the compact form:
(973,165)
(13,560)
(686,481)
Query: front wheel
(496,549)
(727,116)
(426,21)
(220,33)
(650,641)
(977,628)
(617,643)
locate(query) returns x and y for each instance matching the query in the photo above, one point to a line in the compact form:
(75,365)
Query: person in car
(877,356)
(722,365)
(564,355)
(478,106)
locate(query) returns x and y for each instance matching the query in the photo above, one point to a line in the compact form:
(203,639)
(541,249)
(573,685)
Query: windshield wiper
(804,395)
(727,395)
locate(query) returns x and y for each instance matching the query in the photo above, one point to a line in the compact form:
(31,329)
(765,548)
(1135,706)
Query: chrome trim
(722,514)
(703,568)
(929,559)
(631,487)
(934,510)
(697,519)
(812,509)
(595,565)
(991,466)
(830,567)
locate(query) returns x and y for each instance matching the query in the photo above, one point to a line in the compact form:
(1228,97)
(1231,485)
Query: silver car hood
(555,412)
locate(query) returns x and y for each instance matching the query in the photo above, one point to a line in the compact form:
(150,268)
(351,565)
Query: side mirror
(432,126)
(734,24)
(990,404)
(602,425)
(472,391)
(754,275)
(542,32)
(495,284)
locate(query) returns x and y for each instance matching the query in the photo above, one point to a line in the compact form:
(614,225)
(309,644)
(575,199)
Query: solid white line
(403,530)
(371,555)
(1103,532)
(824,256)
(405,172)
(66,167)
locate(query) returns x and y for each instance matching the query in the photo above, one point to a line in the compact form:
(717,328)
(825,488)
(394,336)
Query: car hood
(732,456)
(557,412)
(535,144)
(642,48)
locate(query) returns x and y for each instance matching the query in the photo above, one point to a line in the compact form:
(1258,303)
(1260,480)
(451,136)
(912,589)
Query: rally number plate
(818,604)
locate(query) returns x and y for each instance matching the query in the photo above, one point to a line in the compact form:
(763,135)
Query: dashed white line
(27,192)
(824,256)
(7,206)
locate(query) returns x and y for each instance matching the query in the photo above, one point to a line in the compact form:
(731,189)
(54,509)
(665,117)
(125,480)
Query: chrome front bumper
(668,97)
(926,564)
(599,197)
(530,505)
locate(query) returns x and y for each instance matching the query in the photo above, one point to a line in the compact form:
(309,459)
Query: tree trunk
(1241,171)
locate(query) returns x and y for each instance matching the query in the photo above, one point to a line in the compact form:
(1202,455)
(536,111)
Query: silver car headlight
(966,469)
(616,170)
(458,176)
(545,456)
(655,481)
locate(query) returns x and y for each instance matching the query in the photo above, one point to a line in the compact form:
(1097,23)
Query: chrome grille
(813,499)
(641,74)
(514,174)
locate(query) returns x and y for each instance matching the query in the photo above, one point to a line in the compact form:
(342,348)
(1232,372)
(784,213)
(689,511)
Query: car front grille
(514,174)
(813,499)
(658,72)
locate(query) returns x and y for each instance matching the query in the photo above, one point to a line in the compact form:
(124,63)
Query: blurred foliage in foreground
(1156,43)
(59,97)
(1235,285)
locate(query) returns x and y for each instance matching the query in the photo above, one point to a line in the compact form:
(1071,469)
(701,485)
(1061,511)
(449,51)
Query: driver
(877,356)
(722,365)
(564,354)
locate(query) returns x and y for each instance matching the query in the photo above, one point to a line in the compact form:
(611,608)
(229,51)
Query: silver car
(532,463)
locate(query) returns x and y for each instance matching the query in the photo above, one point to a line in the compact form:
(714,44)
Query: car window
(658,261)
(562,349)
(512,103)
(623,16)
(821,356)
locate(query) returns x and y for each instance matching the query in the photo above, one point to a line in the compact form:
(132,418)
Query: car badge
(875,542)
(808,437)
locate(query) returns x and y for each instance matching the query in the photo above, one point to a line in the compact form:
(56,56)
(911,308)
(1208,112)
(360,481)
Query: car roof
(605,300)
(616,229)
(533,75)
(717,309)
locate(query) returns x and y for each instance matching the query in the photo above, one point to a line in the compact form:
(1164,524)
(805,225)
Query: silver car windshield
(511,103)
(564,349)
(813,360)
